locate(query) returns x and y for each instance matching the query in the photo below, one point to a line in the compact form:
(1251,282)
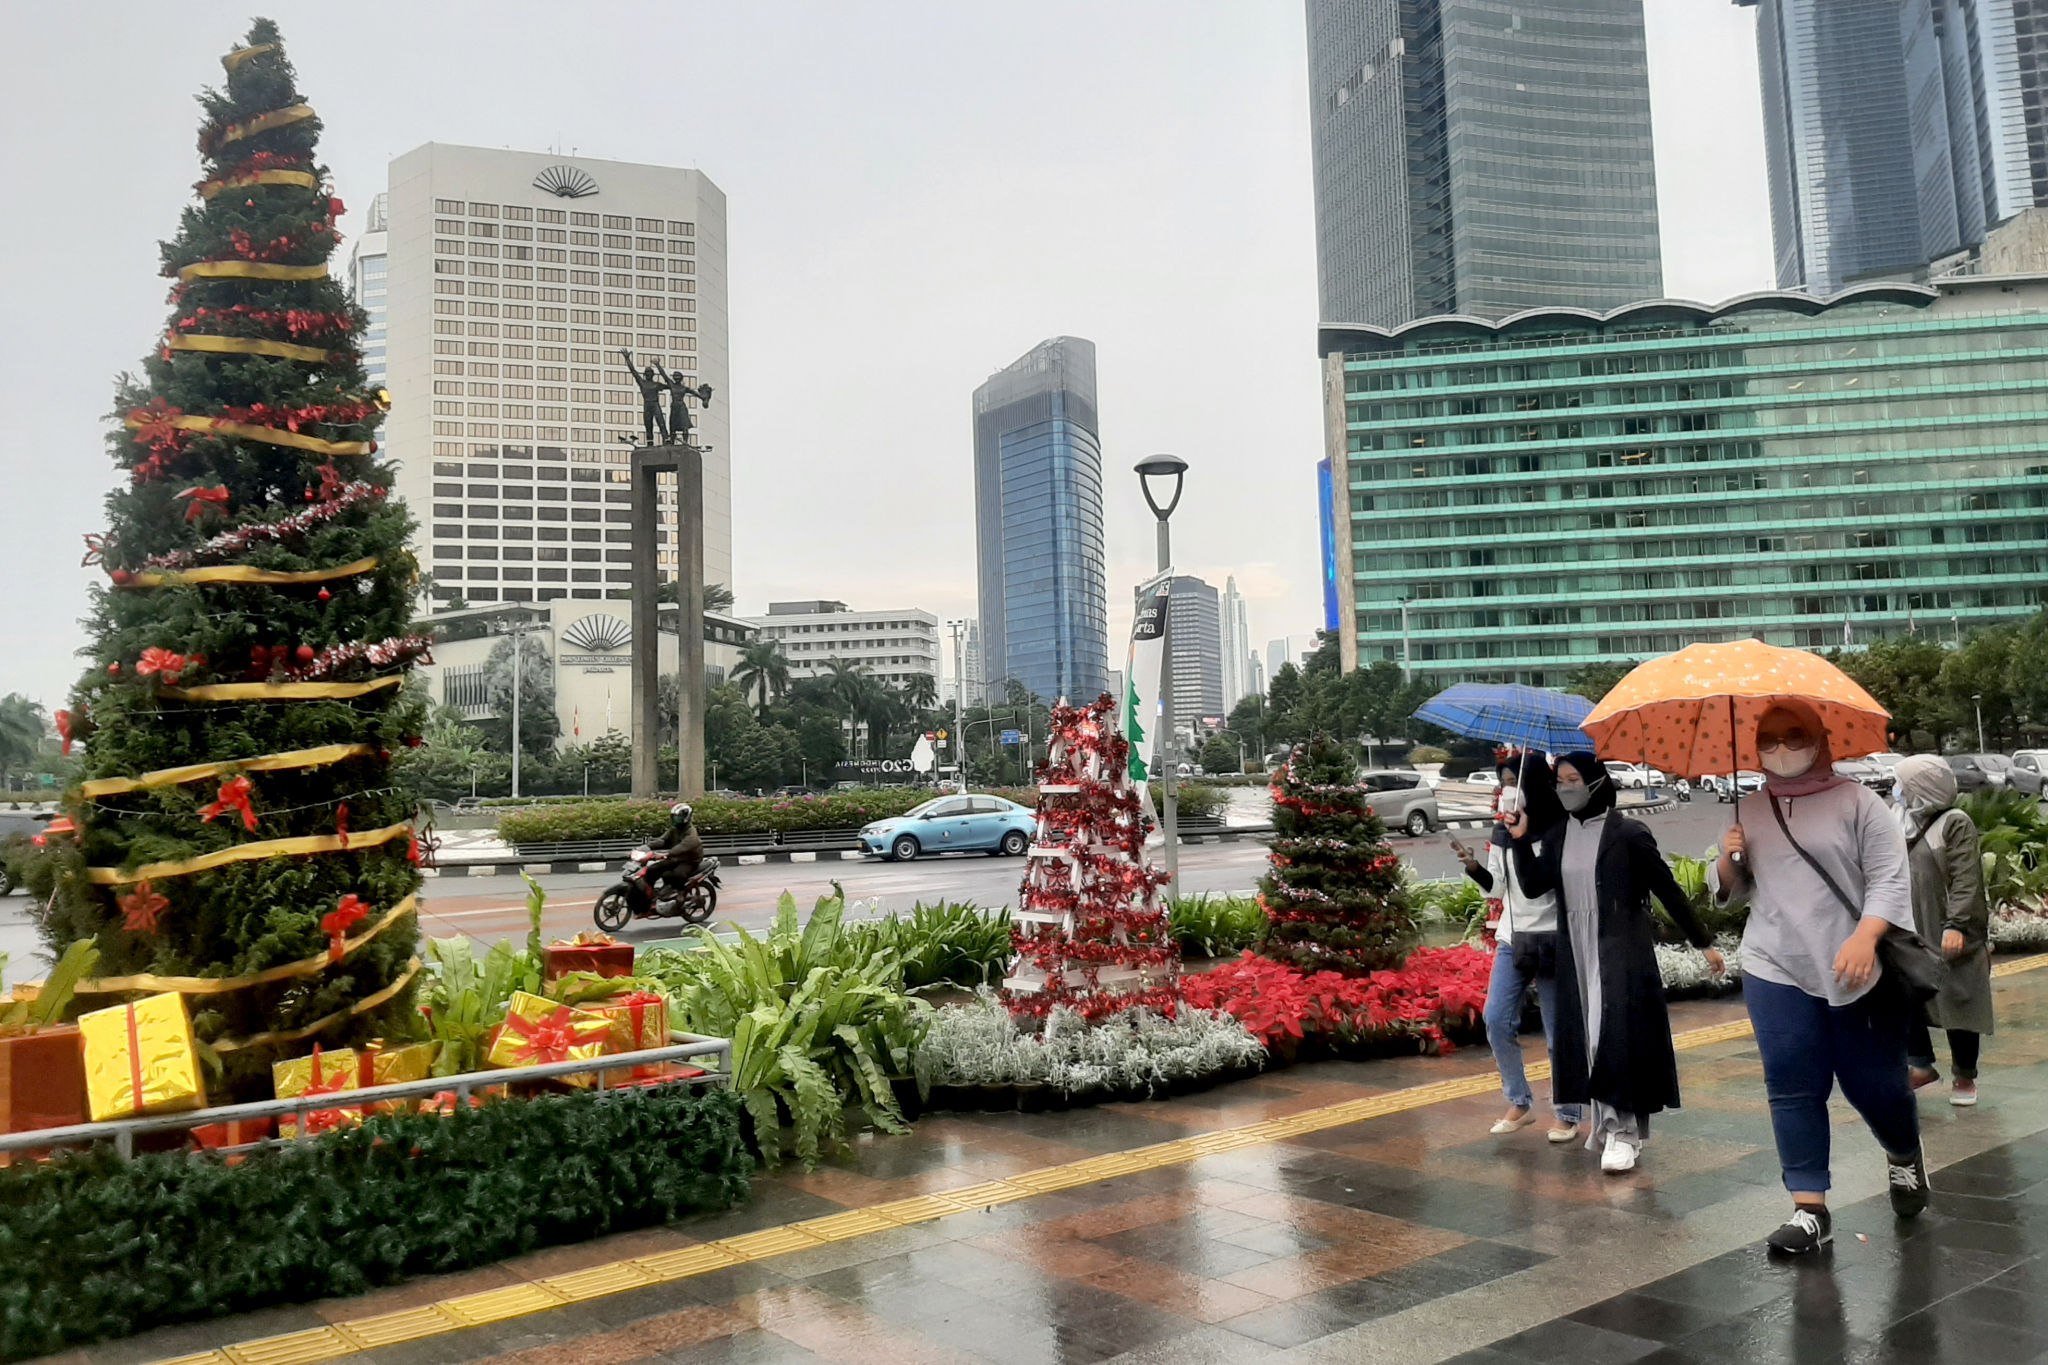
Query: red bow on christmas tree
(141,907)
(162,663)
(337,922)
(234,796)
(198,499)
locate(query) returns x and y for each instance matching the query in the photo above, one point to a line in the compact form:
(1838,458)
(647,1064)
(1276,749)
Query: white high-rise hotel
(512,281)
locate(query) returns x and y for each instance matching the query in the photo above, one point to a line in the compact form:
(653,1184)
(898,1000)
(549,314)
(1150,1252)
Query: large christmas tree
(1334,893)
(239,824)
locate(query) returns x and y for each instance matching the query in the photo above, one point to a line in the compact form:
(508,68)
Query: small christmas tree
(1334,894)
(1092,933)
(239,823)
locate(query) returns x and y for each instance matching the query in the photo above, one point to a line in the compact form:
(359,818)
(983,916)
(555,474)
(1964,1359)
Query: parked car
(1975,772)
(1629,776)
(18,828)
(1869,773)
(1485,777)
(1745,783)
(1401,799)
(2029,771)
(948,824)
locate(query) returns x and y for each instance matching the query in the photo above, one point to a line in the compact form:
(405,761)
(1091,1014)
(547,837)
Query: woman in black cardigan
(1606,867)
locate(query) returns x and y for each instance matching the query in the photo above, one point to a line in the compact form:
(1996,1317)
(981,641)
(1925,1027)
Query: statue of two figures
(673,427)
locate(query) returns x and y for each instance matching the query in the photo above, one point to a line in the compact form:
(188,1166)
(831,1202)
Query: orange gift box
(140,1059)
(42,1079)
(323,1073)
(598,954)
(538,1031)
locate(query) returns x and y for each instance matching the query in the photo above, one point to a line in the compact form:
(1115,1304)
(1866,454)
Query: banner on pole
(1139,717)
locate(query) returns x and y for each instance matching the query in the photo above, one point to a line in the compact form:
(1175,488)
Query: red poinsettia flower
(141,907)
(155,425)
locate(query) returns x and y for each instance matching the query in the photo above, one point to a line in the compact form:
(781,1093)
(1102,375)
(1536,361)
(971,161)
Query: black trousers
(1963,1045)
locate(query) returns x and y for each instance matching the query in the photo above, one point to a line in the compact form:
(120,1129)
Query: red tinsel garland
(381,654)
(297,322)
(232,544)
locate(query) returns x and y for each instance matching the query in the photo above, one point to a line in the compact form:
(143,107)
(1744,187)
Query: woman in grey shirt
(1823,867)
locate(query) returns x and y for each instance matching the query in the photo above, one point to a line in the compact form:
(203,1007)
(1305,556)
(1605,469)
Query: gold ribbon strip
(295,691)
(264,123)
(199,772)
(282,350)
(242,573)
(249,270)
(243,54)
(303,179)
(216,985)
(301,846)
(362,1006)
(249,431)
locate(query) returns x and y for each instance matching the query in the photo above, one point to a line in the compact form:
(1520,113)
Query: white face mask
(1788,762)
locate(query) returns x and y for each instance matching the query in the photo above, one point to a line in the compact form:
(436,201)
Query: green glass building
(1563,487)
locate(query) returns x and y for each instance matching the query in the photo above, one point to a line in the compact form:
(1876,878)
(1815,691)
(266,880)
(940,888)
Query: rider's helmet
(679,815)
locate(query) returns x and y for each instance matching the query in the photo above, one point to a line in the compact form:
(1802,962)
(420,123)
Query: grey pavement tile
(1577,1343)
(1653,1319)
(1204,1345)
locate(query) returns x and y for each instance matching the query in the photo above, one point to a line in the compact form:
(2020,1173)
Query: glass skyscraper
(1562,490)
(1044,606)
(1480,157)
(1896,131)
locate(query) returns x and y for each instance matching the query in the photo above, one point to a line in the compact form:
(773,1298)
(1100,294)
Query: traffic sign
(1013,737)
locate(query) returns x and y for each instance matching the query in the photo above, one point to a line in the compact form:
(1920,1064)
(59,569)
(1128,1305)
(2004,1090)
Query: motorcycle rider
(683,847)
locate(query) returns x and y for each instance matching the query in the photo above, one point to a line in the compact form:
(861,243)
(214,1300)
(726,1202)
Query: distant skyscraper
(1194,638)
(1256,671)
(1477,157)
(1896,131)
(366,279)
(1278,656)
(1038,522)
(1237,645)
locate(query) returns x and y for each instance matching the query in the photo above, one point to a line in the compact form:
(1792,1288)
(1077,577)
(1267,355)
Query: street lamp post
(1406,676)
(959,746)
(515,626)
(1977,698)
(1174,468)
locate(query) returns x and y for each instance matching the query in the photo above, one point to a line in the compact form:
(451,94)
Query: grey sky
(919,192)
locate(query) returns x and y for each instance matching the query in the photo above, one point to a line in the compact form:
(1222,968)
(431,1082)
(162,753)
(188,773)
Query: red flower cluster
(1435,987)
(296,321)
(297,419)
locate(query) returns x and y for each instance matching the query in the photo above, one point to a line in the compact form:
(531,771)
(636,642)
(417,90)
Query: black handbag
(1905,957)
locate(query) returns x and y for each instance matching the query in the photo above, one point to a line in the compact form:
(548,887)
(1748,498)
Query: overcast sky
(918,192)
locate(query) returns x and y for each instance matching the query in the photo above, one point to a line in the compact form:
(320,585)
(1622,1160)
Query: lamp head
(1161,466)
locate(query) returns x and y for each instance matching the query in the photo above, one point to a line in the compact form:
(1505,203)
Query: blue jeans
(1504,996)
(1807,1045)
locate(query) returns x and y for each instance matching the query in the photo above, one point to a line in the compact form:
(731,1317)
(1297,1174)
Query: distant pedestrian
(1526,942)
(1613,1047)
(1949,909)
(1823,867)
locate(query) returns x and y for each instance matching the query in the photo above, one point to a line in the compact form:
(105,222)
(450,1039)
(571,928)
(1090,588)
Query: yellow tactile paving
(347,1338)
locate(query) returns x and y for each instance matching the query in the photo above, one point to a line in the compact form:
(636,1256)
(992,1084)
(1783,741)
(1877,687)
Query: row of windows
(521,213)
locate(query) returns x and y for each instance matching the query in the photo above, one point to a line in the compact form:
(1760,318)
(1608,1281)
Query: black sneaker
(1909,1185)
(1809,1229)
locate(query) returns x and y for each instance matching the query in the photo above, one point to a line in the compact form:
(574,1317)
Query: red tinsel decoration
(235,543)
(382,654)
(297,322)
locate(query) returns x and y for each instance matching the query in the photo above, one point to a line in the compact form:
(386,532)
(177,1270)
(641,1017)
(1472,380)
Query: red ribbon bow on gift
(161,662)
(549,1039)
(639,1002)
(337,922)
(320,1120)
(140,908)
(234,796)
(198,499)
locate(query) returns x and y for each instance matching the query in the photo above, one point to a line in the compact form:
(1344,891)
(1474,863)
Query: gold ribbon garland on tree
(249,270)
(217,985)
(303,179)
(297,1035)
(200,772)
(250,431)
(297,847)
(293,691)
(243,573)
(266,123)
(218,345)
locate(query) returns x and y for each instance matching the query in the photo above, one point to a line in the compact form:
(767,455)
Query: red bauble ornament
(305,653)
(309,495)
(325,595)
(120,576)
(114,667)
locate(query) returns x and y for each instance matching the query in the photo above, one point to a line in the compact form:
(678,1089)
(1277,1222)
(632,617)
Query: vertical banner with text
(1139,717)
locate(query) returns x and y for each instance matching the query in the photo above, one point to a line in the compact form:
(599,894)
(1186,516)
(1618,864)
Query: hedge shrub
(93,1247)
(578,821)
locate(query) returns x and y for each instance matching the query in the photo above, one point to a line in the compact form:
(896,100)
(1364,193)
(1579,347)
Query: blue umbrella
(1508,713)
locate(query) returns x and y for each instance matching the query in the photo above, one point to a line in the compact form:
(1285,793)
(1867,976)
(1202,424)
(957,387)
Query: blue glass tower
(1038,520)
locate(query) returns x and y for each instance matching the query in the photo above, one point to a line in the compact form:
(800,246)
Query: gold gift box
(139,1059)
(379,1063)
(335,1070)
(538,1030)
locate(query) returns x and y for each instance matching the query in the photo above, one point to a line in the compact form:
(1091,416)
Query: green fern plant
(1216,926)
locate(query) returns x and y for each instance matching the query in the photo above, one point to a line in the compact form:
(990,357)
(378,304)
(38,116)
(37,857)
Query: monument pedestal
(687,464)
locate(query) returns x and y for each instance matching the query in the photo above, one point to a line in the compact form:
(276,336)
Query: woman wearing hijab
(1823,867)
(1526,938)
(1613,1045)
(1947,873)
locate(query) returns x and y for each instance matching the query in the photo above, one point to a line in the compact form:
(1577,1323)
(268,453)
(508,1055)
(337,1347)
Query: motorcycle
(640,894)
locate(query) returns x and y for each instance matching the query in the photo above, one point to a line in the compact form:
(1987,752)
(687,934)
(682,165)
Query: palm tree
(882,708)
(717,597)
(21,732)
(765,669)
(922,691)
(848,684)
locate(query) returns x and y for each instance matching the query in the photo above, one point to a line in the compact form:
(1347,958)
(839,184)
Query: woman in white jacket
(1527,938)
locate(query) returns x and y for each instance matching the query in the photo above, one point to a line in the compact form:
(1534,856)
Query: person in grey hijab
(1949,909)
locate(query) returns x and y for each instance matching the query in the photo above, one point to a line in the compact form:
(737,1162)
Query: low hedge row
(739,815)
(93,1247)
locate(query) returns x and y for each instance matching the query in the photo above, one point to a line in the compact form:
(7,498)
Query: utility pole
(514,626)
(959,744)
(1406,675)
(1175,468)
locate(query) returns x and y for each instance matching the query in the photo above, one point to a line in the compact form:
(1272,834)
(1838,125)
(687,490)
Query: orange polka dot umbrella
(1695,712)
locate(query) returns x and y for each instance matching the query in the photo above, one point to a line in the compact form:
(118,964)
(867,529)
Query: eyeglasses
(1796,740)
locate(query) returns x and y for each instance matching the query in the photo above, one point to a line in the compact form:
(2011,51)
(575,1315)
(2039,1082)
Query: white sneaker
(1619,1157)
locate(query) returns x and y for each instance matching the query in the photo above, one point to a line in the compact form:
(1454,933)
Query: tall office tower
(1194,641)
(1896,132)
(1256,671)
(515,279)
(1480,156)
(1237,645)
(1278,655)
(2030,44)
(366,280)
(1038,525)
(971,677)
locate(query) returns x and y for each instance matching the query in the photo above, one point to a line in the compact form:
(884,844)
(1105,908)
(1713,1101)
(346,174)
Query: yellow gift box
(538,1030)
(322,1073)
(139,1059)
(379,1063)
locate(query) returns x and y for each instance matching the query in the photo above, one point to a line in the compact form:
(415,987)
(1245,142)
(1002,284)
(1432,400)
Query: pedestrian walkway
(1331,1212)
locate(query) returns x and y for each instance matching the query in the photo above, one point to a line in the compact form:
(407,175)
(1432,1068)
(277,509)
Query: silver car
(1401,799)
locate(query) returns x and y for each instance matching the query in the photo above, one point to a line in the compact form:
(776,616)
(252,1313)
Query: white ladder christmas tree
(1092,932)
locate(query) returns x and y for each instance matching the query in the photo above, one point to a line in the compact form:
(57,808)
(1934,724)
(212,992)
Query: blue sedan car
(968,824)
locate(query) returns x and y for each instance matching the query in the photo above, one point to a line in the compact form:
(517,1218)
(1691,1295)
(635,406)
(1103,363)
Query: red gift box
(238,1133)
(42,1079)
(594,953)
(659,1074)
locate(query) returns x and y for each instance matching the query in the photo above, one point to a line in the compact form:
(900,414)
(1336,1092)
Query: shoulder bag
(1903,954)
(1535,952)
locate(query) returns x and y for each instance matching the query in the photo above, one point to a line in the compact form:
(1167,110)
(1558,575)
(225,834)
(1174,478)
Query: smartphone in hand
(1464,853)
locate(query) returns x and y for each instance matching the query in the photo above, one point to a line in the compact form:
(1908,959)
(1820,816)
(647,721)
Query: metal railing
(123,1132)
